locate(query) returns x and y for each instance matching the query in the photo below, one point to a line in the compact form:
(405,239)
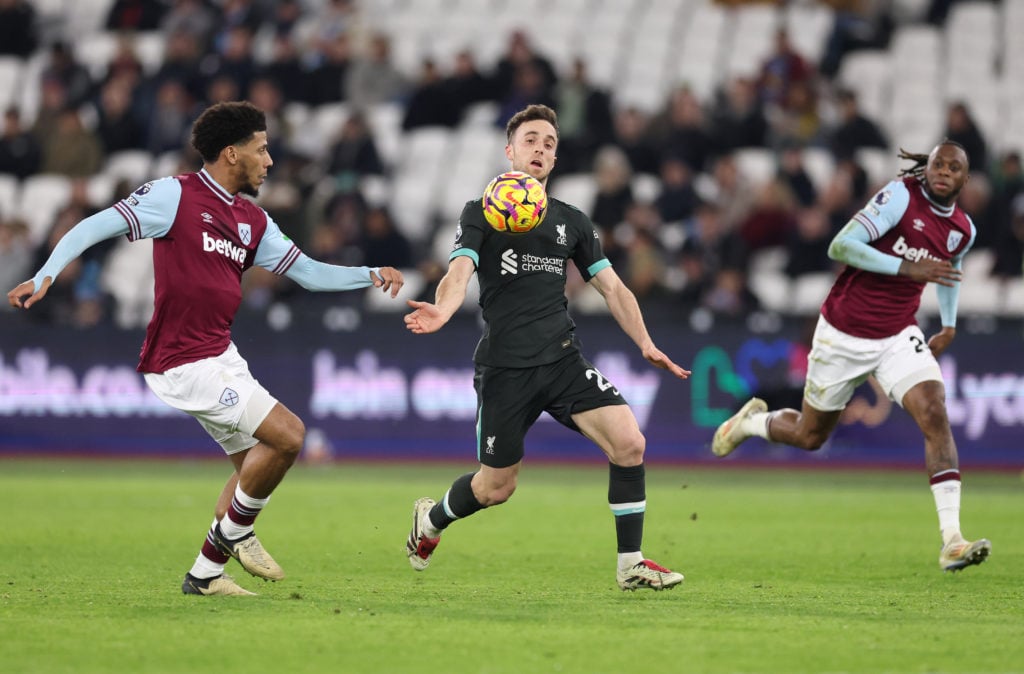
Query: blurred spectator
(730,295)
(613,176)
(285,68)
(285,15)
(72,150)
(20,151)
(771,217)
(799,120)
(781,71)
(1007,186)
(333,19)
(430,103)
(960,127)
(326,82)
(807,244)
(714,261)
(53,100)
(856,24)
(731,191)
(519,53)
(853,130)
(195,18)
(171,120)
(584,119)
(15,253)
(266,95)
(793,175)
(681,130)
(221,89)
(645,269)
(135,15)
(528,87)
(677,199)
(631,136)
(236,16)
(373,77)
(232,61)
(182,55)
(62,66)
(467,85)
(738,119)
(116,126)
(354,152)
(125,65)
(844,194)
(18,30)
(382,244)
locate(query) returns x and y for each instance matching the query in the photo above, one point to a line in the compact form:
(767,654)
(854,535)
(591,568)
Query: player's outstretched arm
(451,292)
(626,311)
(25,294)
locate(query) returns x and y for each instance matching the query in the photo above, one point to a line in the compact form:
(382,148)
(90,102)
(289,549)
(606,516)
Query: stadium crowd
(682,219)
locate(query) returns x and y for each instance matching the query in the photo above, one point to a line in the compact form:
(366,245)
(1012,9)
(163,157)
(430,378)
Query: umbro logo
(918,224)
(207,218)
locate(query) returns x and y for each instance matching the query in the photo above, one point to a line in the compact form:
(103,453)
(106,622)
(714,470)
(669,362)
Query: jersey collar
(215,187)
(938,209)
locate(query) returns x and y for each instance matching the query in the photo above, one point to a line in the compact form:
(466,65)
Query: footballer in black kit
(528,359)
(530,326)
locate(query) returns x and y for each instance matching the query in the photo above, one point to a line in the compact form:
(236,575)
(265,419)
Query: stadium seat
(756,164)
(42,195)
(11,72)
(578,189)
(135,166)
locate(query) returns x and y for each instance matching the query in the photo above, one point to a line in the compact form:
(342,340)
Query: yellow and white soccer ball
(515,203)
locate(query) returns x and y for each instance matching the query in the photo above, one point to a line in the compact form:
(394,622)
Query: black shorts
(509,401)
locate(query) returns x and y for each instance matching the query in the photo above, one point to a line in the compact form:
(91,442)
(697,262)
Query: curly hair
(529,114)
(225,124)
(921,160)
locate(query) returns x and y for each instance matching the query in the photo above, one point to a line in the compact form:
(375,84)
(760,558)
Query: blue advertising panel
(368,389)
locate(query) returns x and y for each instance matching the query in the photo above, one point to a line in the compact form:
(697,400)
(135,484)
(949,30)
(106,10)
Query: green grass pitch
(786,571)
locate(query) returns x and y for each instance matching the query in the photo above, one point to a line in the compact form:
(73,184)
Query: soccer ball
(515,202)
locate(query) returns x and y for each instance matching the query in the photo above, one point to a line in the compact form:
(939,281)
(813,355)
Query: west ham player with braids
(204,237)
(528,360)
(910,234)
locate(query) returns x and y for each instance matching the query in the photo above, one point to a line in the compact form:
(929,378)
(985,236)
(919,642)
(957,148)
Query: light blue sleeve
(278,254)
(882,213)
(104,225)
(949,297)
(150,210)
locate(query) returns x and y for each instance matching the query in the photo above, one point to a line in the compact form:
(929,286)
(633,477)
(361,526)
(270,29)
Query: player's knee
(293,437)
(630,452)
(932,415)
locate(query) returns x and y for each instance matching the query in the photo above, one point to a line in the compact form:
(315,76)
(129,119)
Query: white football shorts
(221,394)
(838,363)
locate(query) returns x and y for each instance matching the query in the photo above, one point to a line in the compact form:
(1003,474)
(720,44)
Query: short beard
(249,189)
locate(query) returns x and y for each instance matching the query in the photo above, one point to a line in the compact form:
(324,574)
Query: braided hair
(921,160)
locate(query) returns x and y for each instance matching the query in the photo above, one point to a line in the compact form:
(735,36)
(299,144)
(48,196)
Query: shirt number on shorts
(602,383)
(919,344)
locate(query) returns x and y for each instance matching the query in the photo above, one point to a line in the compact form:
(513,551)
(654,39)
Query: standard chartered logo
(512,264)
(509,262)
